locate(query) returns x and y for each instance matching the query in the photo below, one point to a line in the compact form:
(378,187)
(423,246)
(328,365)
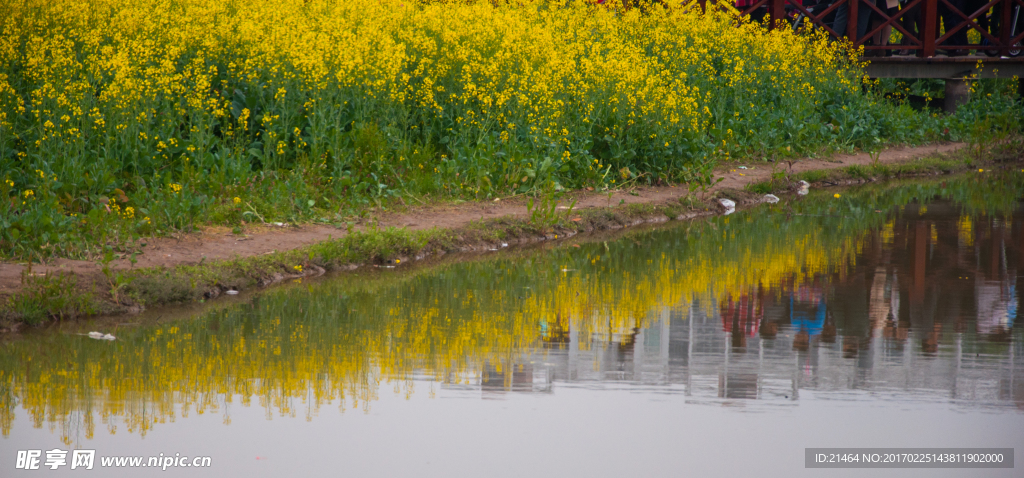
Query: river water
(884,317)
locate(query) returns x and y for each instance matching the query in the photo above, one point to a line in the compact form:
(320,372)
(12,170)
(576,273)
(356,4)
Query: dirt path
(219,243)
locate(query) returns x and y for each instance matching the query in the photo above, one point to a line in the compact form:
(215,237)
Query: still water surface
(886,317)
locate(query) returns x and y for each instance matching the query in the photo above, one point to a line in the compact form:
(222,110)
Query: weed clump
(50,296)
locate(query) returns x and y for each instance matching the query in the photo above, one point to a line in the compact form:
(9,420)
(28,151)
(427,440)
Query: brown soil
(219,243)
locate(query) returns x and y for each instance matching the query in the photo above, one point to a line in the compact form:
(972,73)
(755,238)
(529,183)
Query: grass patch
(50,296)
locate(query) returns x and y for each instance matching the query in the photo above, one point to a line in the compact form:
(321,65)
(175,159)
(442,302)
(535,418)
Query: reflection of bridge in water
(688,352)
(927,313)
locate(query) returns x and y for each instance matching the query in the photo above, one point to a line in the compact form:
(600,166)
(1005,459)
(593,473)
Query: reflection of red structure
(809,294)
(741,314)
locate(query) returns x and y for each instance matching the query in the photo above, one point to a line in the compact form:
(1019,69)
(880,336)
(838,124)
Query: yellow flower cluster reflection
(295,350)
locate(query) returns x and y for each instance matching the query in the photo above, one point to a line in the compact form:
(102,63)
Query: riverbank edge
(63,295)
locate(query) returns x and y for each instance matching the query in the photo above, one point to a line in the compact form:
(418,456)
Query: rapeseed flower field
(122,119)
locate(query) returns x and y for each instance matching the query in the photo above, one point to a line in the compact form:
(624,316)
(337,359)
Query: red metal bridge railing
(928,27)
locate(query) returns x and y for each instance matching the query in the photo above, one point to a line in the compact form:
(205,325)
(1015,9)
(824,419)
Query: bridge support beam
(957,93)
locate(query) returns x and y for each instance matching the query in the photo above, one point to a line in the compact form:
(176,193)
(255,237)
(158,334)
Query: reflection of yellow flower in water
(489,331)
(237,200)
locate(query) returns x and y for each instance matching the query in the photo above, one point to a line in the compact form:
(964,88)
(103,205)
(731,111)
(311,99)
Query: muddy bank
(214,262)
